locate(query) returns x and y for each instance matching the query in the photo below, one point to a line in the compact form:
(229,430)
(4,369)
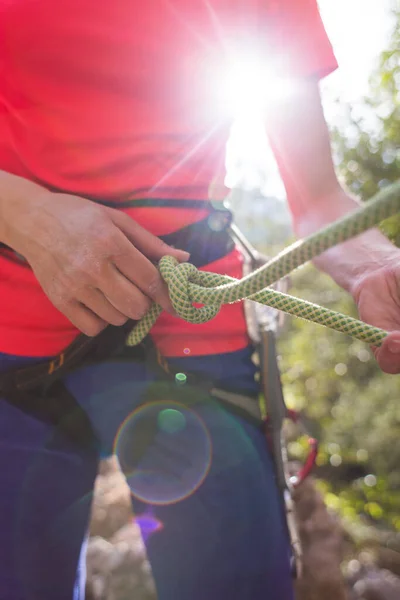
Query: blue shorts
(207,477)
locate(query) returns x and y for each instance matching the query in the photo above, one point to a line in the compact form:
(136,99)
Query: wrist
(348,263)
(352,262)
(324,210)
(17,195)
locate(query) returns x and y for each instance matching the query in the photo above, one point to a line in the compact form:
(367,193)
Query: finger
(142,273)
(123,294)
(150,245)
(83,318)
(96,301)
(388,355)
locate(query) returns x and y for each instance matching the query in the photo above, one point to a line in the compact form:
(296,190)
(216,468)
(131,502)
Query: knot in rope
(188,285)
(178,277)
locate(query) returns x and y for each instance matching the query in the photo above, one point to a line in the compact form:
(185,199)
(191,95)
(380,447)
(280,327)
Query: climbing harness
(187,285)
(276,414)
(39,390)
(264,324)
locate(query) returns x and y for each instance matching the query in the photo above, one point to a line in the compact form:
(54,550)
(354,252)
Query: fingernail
(394,346)
(185,254)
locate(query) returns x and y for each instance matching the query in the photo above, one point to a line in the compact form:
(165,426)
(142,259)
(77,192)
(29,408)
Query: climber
(112,139)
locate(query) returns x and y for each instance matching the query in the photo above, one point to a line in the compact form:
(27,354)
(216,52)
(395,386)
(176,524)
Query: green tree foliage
(367,147)
(348,403)
(345,400)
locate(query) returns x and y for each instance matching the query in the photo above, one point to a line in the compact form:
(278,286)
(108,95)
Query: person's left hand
(378,299)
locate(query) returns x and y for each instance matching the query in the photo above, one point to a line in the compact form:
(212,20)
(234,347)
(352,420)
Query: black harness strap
(55,406)
(207,240)
(82,350)
(38,389)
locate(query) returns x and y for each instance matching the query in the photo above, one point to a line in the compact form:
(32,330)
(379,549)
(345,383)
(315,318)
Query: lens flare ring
(165,450)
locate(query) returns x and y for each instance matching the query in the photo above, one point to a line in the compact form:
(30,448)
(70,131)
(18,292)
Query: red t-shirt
(116,100)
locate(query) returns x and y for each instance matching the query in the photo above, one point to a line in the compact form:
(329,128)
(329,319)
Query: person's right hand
(94,263)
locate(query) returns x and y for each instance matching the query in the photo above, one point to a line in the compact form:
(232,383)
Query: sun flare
(250,89)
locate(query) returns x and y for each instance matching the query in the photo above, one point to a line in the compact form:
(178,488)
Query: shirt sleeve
(296,38)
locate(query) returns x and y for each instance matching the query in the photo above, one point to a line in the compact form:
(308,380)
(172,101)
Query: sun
(250,89)
(251,93)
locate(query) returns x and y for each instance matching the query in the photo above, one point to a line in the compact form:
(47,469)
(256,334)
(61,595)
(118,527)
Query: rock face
(388,559)
(112,506)
(370,583)
(322,542)
(118,569)
(117,566)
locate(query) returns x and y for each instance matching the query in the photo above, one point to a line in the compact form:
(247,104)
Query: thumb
(148,244)
(388,355)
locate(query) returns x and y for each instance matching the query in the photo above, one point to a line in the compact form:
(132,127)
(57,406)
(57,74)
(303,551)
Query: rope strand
(188,285)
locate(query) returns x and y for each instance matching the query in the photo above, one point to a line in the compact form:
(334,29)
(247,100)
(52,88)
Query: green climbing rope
(188,285)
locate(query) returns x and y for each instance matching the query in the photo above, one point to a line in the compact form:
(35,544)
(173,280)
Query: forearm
(300,138)
(348,262)
(14,194)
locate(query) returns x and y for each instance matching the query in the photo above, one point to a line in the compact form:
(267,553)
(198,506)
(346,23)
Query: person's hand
(378,299)
(94,263)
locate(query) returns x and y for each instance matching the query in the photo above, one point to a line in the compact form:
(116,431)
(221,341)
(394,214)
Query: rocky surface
(370,583)
(118,568)
(323,549)
(112,506)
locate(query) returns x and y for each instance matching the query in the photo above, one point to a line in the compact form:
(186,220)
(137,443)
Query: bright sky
(359,31)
